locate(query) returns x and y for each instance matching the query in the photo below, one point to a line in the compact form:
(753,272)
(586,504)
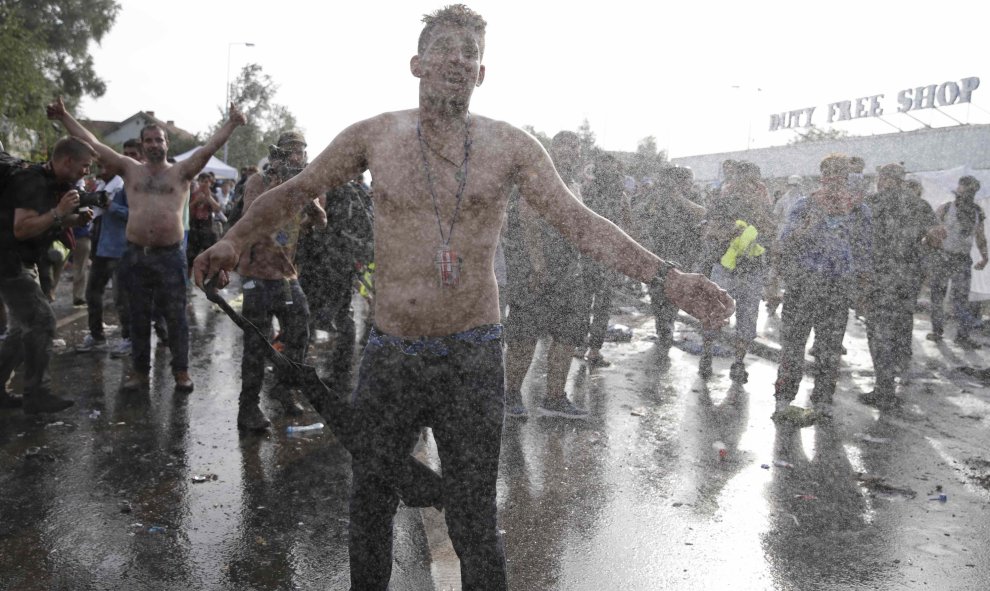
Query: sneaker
(183,383)
(90,344)
(562,407)
(738,373)
(880,400)
(795,416)
(8,400)
(79,303)
(45,403)
(967,344)
(291,400)
(934,337)
(514,406)
(121,349)
(135,381)
(250,417)
(597,361)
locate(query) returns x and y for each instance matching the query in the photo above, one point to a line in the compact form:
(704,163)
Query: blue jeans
(957,268)
(32,328)
(745,285)
(155,278)
(455,385)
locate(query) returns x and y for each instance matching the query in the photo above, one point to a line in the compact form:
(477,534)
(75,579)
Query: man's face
(155,145)
(71,170)
(887,182)
(133,153)
(296,154)
(450,65)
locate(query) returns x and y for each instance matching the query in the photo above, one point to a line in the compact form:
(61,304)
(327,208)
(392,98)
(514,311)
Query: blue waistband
(436,345)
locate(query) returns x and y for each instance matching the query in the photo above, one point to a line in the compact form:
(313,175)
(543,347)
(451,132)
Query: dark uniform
(32,320)
(900,223)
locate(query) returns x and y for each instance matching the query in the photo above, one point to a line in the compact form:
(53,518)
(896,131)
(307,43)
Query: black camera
(93,199)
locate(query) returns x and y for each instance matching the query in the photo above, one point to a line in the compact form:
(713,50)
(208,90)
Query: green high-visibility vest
(743,245)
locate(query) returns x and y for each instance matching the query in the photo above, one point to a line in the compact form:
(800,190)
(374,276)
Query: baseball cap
(290,137)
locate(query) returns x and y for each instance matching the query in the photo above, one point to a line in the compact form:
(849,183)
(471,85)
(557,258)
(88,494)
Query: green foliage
(543,138)
(587,136)
(253,92)
(816,134)
(44,52)
(649,158)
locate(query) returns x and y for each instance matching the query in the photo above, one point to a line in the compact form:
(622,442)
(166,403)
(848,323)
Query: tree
(587,138)
(816,134)
(44,51)
(649,158)
(539,135)
(253,91)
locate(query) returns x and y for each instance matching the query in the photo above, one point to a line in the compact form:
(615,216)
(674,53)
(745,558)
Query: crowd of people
(571,226)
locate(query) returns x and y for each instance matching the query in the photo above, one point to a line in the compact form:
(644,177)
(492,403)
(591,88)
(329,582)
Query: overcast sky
(701,76)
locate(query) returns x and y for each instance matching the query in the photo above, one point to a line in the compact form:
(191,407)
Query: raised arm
(108,156)
(191,166)
(342,160)
(595,236)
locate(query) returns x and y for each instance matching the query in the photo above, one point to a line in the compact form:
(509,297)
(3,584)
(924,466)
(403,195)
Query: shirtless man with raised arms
(442,177)
(154,267)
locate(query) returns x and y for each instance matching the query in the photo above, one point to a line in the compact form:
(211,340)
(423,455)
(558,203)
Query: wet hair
(674,175)
(74,148)
(914,186)
(455,15)
(834,164)
(747,169)
(856,163)
(151,126)
(565,136)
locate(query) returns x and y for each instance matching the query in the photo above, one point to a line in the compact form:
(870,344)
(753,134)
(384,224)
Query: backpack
(8,166)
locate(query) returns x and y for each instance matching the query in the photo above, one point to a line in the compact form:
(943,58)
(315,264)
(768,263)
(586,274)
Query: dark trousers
(664,314)
(264,299)
(890,325)
(457,389)
(598,284)
(156,280)
(100,273)
(957,268)
(30,331)
(822,303)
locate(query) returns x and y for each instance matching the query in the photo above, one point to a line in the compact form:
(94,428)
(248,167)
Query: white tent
(215,165)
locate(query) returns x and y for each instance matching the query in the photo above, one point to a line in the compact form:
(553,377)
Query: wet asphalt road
(635,498)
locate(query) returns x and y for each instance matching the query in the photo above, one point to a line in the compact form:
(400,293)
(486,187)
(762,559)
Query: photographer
(271,287)
(38,204)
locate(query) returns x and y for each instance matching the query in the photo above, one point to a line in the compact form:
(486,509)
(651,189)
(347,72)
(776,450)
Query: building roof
(919,150)
(106,128)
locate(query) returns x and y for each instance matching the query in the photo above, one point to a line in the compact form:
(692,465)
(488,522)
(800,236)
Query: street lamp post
(226,101)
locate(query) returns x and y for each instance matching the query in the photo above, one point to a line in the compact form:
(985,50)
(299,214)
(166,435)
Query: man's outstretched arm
(108,156)
(341,161)
(595,236)
(192,166)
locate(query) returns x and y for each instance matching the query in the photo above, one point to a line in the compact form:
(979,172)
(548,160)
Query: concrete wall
(921,150)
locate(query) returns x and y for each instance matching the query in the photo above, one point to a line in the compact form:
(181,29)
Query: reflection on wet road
(674,483)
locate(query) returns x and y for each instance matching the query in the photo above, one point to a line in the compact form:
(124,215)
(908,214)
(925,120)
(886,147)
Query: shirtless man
(271,287)
(154,267)
(442,177)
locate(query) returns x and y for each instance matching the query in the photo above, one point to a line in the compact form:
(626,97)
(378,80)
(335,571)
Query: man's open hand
(699,297)
(215,261)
